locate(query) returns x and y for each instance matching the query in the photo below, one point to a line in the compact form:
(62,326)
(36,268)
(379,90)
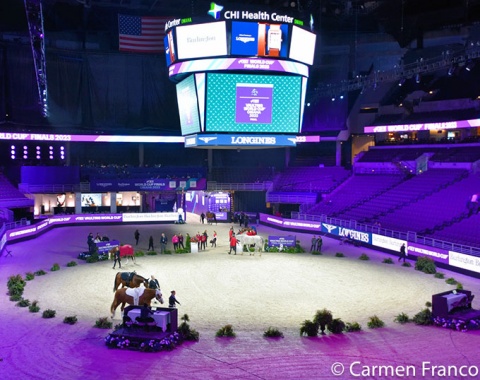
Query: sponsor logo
(206,140)
(215,10)
(253,140)
(352,234)
(300,224)
(245,39)
(329,227)
(104,184)
(23,232)
(427,252)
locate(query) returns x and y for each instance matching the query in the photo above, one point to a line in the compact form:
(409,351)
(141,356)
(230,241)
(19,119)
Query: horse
(129,280)
(248,240)
(135,296)
(211,218)
(125,251)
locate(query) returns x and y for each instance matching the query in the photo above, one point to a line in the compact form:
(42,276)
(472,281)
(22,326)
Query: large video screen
(201,40)
(169,43)
(188,106)
(91,199)
(253,103)
(259,39)
(302,46)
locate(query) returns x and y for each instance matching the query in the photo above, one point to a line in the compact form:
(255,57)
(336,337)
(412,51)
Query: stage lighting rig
(33,9)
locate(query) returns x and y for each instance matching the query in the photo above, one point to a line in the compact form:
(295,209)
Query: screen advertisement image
(188,106)
(259,39)
(201,40)
(302,45)
(170,53)
(253,103)
(91,200)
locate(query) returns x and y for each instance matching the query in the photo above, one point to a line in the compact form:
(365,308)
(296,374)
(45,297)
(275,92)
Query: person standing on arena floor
(175,242)
(137,236)
(403,253)
(150,244)
(203,240)
(180,241)
(202,218)
(163,243)
(116,257)
(91,244)
(314,244)
(172,300)
(214,240)
(319,244)
(233,244)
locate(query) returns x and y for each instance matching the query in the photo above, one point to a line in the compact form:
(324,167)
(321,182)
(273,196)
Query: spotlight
(401,82)
(470,66)
(417,78)
(451,70)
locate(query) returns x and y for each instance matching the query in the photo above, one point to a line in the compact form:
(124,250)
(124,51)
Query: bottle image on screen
(171,47)
(274,40)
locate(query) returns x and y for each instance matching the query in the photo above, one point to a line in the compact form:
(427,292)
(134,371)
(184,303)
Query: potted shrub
(322,318)
(336,326)
(309,328)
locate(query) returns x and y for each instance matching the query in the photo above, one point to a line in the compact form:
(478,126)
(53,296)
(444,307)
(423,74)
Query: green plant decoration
(272,332)
(308,328)
(402,318)
(353,327)
(375,322)
(322,318)
(336,326)
(49,313)
(226,331)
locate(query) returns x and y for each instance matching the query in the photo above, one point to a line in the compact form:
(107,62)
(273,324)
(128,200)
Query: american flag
(141,34)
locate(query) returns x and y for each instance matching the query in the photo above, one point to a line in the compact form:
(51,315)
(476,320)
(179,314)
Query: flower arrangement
(145,345)
(457,324)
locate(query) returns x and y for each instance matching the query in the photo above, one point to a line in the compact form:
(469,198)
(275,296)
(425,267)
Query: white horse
(248,240)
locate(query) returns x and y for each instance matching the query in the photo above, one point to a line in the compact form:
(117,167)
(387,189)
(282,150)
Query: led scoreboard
(239,71)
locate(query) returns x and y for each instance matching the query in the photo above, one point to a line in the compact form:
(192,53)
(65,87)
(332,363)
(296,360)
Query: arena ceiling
(403,19)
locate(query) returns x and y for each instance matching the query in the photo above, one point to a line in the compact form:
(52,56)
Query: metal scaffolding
(33,9)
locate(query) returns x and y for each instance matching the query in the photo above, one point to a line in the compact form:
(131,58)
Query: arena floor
(251,293)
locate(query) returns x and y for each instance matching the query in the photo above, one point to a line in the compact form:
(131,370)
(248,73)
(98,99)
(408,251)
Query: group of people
(91,241)
(177,241)
(241,218)
(317,243)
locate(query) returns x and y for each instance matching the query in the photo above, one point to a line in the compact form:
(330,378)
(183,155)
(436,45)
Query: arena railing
(402,235)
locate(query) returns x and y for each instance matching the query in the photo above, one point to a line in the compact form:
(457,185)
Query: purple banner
(437,254)
(202,65)
(253,103)
(285,241)
(423,126)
